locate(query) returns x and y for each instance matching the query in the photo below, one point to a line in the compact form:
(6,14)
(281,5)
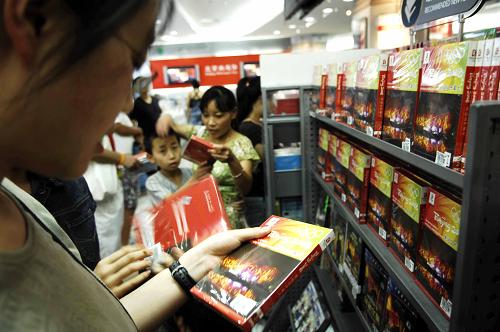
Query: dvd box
(339,115)
(369,103)
(379,198)
(403,81)
(353,266)
(253,277)
(349,93)
(190,215)
(400,315)
(445,96)
(438,248)
(358,181)
(493,78)
(339,225)
(374,292)
(331,89)
(341,167)
(196,150)
(322,154)
(486,68)
(308,314)
(409,196)
(331,155)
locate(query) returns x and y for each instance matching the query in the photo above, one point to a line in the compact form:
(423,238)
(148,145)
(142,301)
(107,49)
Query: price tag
(356,212)
(369,131)
(350,120)
(406,145)
(432,198)
(242,304)
(443,159)
(409,264)
(343,197)
(446,306)
(323,175)
(382,233)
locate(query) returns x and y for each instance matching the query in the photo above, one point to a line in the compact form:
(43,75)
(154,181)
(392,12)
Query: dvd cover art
(379,197)
(444,102)
(354,260)
(331,156)
(403,80)
(493,77)
(331,91)
(486,68)
(358,182)
(190,215)
(339,225)
(345,112)
(400,315)
(374,291)
(408,207)
(342,169)
(196,150)
(307,314)
(369,103)
(252,278)
(323,161)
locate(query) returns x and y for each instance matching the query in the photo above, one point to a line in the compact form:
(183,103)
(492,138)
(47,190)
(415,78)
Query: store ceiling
(201,21)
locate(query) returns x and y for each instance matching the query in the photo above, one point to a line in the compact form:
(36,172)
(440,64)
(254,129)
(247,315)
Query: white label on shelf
(396,177)
(427,57)
(409,264)
(369,131)
(242,305)
(432,198)
(356,212)
(355,287)
(406,145)
(391,60)
(350,120)
(382,233)
(443,159)
(373,162)
(323,175)
(446,306)
(343,197)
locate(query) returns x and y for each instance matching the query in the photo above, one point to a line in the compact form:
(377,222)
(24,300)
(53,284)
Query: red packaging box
(341,166)
(330,157)
(374,292)
(409,196)
(190,215)
(379,198)
(339,115)
(493,78)
(289,106)
(256,275)
(437,251)
(323,142)
(331,91)
(196,150)
(358,182)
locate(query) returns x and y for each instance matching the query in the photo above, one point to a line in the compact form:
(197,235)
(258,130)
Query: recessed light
(292,26)
(348,12)
(348,0)
(309,19)
(308,24)
(297,31)
(277,32)
(173,33)
(327,10)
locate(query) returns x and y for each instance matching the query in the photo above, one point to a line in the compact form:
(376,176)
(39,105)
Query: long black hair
(247,93)
(223,97)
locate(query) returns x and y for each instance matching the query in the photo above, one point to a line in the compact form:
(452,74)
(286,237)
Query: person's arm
(115,158)
(124,130)
(165,123)
(260,150)
(161,296)
(240,169)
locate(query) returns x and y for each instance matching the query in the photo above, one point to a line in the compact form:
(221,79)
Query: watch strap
(182,277)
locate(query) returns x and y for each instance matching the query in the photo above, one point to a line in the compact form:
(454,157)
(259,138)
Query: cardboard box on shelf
(341,166)
(358,181)
(374,292)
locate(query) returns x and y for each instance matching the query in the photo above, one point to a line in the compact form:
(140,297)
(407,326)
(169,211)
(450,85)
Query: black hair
(95,21)
(247,93)
(224,99)
(195,84)
(149,146)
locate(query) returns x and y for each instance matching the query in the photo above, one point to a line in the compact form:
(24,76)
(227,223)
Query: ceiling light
(308,24)
(348,12)
(348,0)
(327,10)
(277,32)
(336,10)
(297,31)
(292,26)
(309,19)
(173,33)
(207,21)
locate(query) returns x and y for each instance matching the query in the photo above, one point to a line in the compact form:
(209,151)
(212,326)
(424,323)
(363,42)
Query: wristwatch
(181,275)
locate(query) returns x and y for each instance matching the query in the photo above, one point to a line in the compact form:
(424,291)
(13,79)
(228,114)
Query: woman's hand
(202,171)
(222,153)
(116,271)
(163,125)
(131,161)
(208,254)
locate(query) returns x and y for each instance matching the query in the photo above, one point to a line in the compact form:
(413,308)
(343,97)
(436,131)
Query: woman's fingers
(120,253)
(131,284)
(126,272)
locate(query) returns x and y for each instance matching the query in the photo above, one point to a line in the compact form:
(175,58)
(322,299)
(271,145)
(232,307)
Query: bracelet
(239,175)
(121,161)
(181,275)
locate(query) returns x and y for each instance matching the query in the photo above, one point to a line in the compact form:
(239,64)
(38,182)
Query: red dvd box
(493,78)
(341,169)
(190,215)
(358,181)
(256,275)
(196,150)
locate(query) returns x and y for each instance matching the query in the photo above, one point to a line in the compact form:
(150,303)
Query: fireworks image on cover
(399,313)
(398,116)
(364,108)
(375,285)
(404,231)
(353,252)
(340,173)
(338,243)
(443,217)
(379,210)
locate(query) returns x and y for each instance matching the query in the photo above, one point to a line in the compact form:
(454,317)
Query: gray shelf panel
(345,321)
(454,178)
(288,183)
(282,119)
(407,284)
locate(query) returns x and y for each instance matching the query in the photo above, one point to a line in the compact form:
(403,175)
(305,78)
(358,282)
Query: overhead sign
(418,12)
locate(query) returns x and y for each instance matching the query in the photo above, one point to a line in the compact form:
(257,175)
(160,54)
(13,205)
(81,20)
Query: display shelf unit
(406,282)
(414,161)
(345,321)
(283,119)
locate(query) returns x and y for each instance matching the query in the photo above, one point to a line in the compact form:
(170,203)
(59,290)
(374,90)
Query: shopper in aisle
(193,112)
(166,152)
(234,153)
(249,119)
(48,51)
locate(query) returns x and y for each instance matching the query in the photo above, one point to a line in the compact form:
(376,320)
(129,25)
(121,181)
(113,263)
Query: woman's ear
(23,21)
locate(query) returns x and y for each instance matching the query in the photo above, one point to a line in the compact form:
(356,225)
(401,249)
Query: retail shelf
(285,87)
(454,178)
(283,119)
(345,321)
(287,183)
(426,308)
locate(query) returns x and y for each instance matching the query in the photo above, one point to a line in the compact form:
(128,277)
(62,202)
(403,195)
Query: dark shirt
(72,205)
(254,133)
(146,116)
